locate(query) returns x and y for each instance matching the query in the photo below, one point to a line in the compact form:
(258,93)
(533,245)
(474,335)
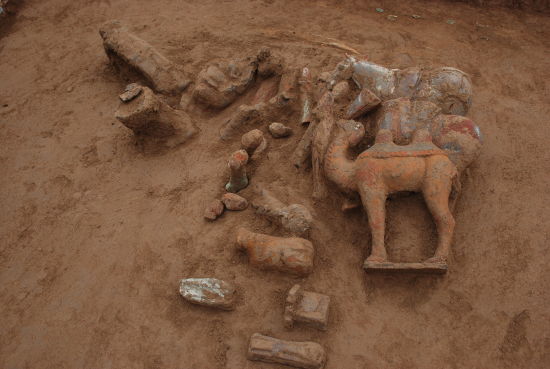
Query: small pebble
(380,10)
(234,202)
(451,21)
(214,210)
(279,130)
(70,89)
(392,17)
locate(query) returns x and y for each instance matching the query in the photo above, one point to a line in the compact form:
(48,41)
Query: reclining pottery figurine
(292,255)
(449,88)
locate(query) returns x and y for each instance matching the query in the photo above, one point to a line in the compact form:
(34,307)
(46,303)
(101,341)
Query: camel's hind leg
(436,190)
(374,201)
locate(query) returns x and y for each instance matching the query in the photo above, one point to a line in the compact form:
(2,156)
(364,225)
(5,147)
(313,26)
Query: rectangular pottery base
(389,267)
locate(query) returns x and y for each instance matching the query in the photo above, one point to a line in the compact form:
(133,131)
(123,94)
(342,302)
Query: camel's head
(353,131)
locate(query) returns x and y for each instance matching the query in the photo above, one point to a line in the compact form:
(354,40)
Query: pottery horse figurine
(387,168)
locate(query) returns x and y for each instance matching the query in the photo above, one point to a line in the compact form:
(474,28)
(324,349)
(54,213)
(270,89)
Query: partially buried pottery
(210,292)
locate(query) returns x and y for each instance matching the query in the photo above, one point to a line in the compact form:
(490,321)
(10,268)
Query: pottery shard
(130,92)
(213,210)
(310,308)
(279,130)
(364,102)
(208,292)
(234,202)
(306,355)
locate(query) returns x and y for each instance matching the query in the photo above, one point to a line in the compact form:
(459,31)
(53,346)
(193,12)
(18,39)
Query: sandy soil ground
(95,234)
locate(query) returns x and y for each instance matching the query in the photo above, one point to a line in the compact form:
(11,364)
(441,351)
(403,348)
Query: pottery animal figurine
(387,168)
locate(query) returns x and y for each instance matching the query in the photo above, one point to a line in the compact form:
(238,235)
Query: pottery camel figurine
(387,168)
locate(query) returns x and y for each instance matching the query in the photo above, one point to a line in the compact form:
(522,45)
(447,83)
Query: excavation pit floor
(96,233)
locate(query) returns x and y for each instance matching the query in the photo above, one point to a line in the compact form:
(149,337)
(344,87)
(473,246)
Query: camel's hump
(391,150)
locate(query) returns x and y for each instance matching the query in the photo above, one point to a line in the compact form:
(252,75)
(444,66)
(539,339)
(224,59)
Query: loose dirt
(95,232)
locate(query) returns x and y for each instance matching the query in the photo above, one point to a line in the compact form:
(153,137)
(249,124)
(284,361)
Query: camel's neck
(338,168)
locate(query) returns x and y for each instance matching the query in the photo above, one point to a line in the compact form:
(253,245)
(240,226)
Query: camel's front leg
(374,201)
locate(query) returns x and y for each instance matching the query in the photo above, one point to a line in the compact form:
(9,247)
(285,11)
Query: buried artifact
(306,355)
(306,307)
(127,51)
(286,254)
(149,117)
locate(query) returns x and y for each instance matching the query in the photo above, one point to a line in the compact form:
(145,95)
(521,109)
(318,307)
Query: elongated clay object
(290,255)
(237,167)
(306,355)
(295,218)
(123,46)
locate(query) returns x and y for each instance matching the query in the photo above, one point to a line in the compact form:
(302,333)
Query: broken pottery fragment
(306,355)
(237,166)
(306,92)
(295,218)
(269,64)
(147,115)
(342,72)
(130,92)
(340,90)
(245,116)
(208,292)
(279,130)
(289,255)
(306,307)
(234,202)
(363,103)
(125,49)
(261,108)
(219,84)
(214,210)
(254,143)
(302,153)
(321,140)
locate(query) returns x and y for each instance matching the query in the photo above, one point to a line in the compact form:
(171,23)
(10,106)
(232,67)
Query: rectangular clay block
(306,355)
(313,310)
(388,267)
